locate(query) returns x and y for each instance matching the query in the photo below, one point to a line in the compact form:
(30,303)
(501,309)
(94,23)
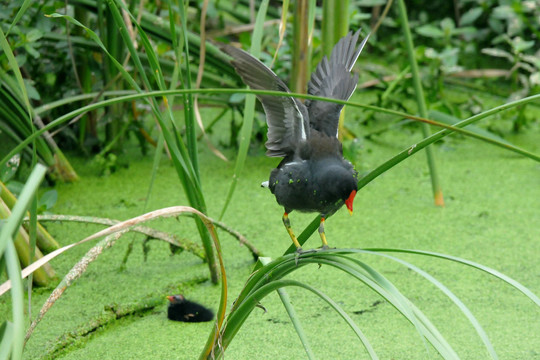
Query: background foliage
(75,78)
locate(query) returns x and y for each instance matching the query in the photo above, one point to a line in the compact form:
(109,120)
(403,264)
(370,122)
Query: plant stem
(335,25)
(420,100)
(45,241)
(21,240)
(286,300)
(301,49)
(284,296)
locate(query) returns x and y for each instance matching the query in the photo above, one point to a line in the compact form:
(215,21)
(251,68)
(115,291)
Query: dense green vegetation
(124,108)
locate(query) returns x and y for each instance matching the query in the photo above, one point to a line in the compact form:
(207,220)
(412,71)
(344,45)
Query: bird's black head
(347,187)
(176,299)
(339,181)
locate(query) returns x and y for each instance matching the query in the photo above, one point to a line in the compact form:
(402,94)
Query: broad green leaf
(496,25)
(430,31)
(498,53)
(503,12)
(447,25)
(9,168)
(470,16)
(521,45)
(34,35)
(48,199)
(468,30)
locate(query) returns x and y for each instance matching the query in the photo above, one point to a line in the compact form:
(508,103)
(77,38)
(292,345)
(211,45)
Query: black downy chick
(184,310)
(313,175)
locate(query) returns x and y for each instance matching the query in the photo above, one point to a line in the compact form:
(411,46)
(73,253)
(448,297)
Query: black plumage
(184,310)
(313,175)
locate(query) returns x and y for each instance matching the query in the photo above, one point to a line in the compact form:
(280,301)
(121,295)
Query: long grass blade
(178,158)
(19,210)
(282,28)
(160,213)
(75,273)
(385,288)
(6,339)
(17,299)
(473,264)
(40,110)
(18,76)
(24,6)
(451,120)
(267,275)
(345,317)
(361,336)
(159,80)
(188,98)
(464,309)
(180,154)
(281,267)
(7,250)
(155,165)
(286,300)
(372,279)
(32,233)
(421,102)
(366,179)
(235,321)
(93,36)
(146,231)
(249,109)
(4,45)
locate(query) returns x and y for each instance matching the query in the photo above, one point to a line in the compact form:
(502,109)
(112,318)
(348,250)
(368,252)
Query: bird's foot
(260,306)
(300,251)
(297,255)
(306,251)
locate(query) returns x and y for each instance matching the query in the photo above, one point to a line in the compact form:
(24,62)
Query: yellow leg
(287,224)
(321,233)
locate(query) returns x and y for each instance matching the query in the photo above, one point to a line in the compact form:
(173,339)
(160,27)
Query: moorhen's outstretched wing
(333,79)
(287,117)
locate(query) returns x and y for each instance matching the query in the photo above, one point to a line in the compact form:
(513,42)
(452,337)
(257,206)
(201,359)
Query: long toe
(297,255)
(307,251)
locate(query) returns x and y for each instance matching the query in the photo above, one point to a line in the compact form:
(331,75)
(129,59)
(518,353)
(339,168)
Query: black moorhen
(184,310)
(313,176)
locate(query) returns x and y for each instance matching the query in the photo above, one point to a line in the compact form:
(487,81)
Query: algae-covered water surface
(491,217)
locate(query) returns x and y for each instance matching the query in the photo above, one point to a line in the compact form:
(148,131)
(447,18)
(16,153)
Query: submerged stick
(161,213)
(241,238)
(153,233)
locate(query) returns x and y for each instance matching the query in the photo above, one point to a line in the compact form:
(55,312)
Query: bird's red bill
(350,200)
